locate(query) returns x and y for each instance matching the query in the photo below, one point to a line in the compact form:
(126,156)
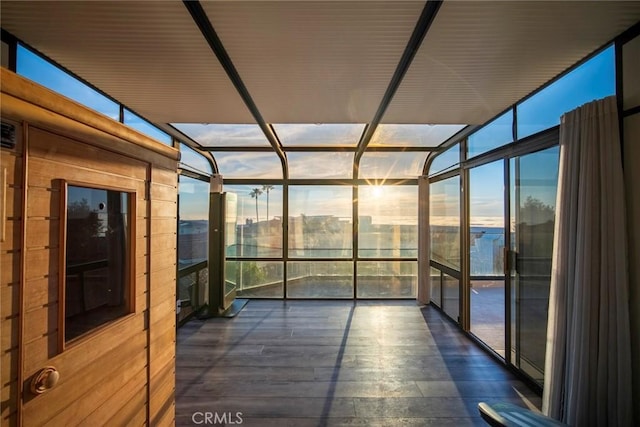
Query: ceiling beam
(206,28)
(422,26)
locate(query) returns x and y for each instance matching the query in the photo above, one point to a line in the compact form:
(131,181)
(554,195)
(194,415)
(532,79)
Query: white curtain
(588,357)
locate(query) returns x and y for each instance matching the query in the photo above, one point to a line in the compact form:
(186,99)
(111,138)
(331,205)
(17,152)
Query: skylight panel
(246,165)
(194,160)
(319,135)
(320,165)
(413,135)
(381,166)
(224,135)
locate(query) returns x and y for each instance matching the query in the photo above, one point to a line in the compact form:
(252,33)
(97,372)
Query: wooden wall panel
(9,300)
(9,366)
(40,292)
(66,151)
(12,184)
(162,297)
(40,169)
(9,333)
(40,322)
(123,373)
(161,401)
(13,233)
(134,391)
(10,271)
(87,391)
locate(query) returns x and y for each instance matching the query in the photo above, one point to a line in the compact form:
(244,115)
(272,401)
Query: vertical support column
(217,214)
(424,244)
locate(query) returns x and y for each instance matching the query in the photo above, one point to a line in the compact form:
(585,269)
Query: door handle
(44,380)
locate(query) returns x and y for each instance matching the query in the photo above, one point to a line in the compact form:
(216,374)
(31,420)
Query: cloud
(323,135)
(416,135)
(228,135)
(249,165)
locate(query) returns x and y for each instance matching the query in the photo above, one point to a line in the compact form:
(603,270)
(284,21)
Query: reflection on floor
(332,363)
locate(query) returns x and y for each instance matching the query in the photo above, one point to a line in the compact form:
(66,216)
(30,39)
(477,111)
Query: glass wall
(320,279)
(446,160)
(193,223)
(444,222)
(257,279)
(436,286)
(320,221)
(193,244)
(592,80)
(533,187)
(451,296)
(40,70)
(444,234)
(319,261)
(254,218)
(387,279)
(143,126)
(493,135)
(486,254)
(388,221)
(508,214)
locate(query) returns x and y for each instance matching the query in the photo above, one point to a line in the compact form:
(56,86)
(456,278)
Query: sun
(377,191)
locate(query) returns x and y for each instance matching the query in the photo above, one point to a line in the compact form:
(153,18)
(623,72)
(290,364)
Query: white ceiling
(317,62)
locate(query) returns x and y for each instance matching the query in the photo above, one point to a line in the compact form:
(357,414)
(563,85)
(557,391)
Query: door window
(97,251)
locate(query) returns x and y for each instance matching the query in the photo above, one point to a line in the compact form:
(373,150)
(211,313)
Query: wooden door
(103,367)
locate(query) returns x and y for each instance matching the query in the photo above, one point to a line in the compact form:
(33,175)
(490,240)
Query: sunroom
(170,168)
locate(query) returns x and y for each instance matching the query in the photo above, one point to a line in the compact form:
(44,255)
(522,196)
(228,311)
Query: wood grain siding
(122,372)
(12,185)
(162,298)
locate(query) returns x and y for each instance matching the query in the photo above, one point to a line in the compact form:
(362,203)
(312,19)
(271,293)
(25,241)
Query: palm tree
(255,193)
(266,189)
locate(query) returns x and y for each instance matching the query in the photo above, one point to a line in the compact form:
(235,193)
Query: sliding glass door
(533,185)
(508,290)
(486,254)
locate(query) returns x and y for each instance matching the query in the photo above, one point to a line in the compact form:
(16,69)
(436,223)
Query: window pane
(142,125)
(388,221)
(320,165)
(194,160)
(486,216)
(187,286)
(391,165)
(533,202)
(256,279)
(436,287)
(38,69)
(495,134)
(594,79)
(249,165)
(193,290)
(486,241)
(319,135)
(387,279)
(212,135)
(193,225)
(320,279)
(444,218)
(320,223)
(445,160)
(451,296)
(255,215)
(97,253)
(413,135)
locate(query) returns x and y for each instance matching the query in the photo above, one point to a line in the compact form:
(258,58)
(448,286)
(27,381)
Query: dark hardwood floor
(336,363)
